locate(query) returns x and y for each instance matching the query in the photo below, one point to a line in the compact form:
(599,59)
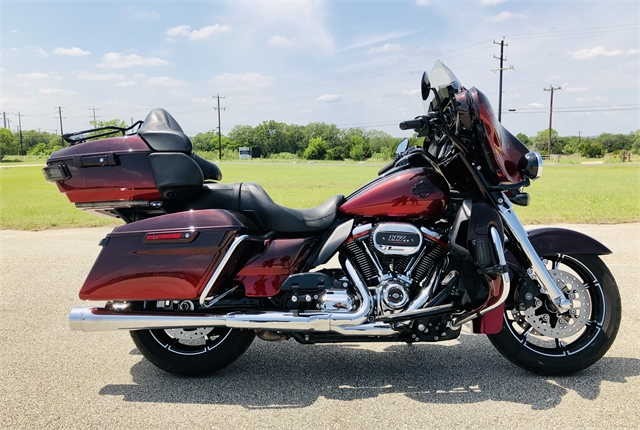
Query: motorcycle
(200,268)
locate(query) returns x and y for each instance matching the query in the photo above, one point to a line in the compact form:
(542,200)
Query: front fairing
(503,149)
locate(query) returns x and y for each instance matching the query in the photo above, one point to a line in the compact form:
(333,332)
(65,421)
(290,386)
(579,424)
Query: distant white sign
(245,153)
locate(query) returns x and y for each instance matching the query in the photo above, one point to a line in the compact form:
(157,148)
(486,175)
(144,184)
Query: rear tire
(192,352)
(571,346)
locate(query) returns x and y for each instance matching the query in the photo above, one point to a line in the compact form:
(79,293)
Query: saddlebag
(170,257)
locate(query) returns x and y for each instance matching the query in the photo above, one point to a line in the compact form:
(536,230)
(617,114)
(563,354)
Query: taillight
(171,237)
(55,173)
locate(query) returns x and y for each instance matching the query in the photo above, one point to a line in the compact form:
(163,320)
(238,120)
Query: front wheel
(193,351)
(539,339)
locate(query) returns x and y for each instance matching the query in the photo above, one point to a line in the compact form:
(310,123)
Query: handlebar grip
(412,123)
(386,168)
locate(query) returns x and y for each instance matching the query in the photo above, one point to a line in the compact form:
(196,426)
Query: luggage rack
(81,136)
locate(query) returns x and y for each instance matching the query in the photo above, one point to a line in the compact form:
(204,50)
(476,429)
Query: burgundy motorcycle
(200,268)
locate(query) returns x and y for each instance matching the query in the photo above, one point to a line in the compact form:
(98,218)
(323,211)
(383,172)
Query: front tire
(192,352)
(547,344)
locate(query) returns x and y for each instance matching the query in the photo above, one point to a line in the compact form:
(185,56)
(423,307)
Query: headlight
(530,165)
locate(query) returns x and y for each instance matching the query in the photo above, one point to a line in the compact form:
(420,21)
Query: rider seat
(251,200)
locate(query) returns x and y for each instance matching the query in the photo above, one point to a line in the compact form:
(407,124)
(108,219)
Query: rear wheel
(193,351)
(541,340)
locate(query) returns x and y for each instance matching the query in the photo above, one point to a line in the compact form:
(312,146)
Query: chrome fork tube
(538,268)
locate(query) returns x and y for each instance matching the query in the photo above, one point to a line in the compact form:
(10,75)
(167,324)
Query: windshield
(440,76)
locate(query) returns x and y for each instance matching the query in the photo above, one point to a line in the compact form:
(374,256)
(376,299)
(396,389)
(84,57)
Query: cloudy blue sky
(351,63)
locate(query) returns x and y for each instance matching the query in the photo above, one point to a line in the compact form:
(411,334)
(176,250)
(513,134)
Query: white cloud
(126,84)
(10,52)
(115,60)
(56,91)
(503,16)
(598,51)
(411,93)
(72,52)
(41,53)
(139,75)
(100,76)
(307,20)
(165,81)
(146,15)
(377,38)
(282,42)
(536,105)
(631,52)
(203,33)
(422,2)
(34,75)
(240,81)
(491,2)
(329,98)
(385,49)
(14,31)
(575,89)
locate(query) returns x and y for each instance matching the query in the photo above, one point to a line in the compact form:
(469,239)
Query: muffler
(89,319)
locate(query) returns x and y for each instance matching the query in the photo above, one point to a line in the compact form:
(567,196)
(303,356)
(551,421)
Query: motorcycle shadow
(289,375)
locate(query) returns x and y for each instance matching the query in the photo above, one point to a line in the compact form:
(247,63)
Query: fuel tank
(413,193)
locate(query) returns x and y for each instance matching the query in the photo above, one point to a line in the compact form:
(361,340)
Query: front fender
(546,241)
(552,240)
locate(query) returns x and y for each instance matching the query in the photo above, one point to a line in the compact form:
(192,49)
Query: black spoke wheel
(192,351)
(541,340)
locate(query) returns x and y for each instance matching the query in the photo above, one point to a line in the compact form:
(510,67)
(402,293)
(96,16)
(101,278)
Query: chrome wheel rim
(540,328)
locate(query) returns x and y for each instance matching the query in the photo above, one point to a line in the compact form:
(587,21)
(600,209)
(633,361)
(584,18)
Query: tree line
(321,141)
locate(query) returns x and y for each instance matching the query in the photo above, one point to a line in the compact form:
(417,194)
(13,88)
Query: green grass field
(564,194)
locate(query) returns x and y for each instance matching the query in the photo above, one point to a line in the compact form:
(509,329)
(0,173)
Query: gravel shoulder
(51,377)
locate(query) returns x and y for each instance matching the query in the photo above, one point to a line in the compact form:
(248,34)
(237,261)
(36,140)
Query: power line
(501,69)
(61,132)
(219,130)
(551,89)
(94,109)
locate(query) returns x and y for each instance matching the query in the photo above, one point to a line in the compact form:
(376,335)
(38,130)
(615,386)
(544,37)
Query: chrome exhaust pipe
(90,319)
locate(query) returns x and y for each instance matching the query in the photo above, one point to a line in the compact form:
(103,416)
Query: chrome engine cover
(394,238)
(336,301)
(394,294)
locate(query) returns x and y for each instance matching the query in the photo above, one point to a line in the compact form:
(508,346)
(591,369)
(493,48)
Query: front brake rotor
(544,318)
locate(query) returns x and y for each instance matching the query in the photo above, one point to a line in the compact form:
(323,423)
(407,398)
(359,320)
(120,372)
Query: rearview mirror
(402,146)
(425,86)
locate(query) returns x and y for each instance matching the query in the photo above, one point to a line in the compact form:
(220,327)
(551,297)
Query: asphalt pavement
(51,377)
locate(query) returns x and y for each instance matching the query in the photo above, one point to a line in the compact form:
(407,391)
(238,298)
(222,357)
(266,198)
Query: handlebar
(412,123)
(388,167)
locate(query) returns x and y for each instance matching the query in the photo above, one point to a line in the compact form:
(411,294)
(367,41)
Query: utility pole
(4,117)
(61,132)
(20,126)
(550,116)
(501,69)
(219,129)
(94,115)
(131,120)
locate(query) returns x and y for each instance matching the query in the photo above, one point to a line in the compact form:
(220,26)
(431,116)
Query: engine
(396,260)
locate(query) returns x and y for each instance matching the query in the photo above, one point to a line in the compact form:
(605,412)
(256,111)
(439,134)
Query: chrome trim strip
(506,281)
(238,240)
(112,204)
(540,165)
(512,222)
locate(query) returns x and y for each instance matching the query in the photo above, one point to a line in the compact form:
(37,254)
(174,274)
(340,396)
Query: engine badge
(397,238)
